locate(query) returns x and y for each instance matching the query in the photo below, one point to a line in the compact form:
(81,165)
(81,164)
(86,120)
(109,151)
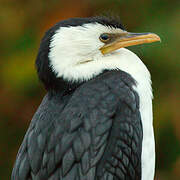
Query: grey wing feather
(73,141)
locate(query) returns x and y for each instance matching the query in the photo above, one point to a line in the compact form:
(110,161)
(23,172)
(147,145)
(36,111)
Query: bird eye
(104,37)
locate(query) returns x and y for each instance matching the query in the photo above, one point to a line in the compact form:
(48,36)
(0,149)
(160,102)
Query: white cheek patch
(70,46)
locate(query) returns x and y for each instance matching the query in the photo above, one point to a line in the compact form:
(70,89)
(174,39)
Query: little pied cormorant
(95,123)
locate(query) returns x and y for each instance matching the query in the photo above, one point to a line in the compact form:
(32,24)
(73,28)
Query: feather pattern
(95,133)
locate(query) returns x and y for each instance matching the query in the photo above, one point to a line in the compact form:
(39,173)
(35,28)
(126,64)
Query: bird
(96,120)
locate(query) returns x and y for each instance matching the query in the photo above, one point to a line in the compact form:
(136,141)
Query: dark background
(23,23)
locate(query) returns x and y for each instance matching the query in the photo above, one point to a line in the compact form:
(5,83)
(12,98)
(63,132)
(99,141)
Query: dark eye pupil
(104,37)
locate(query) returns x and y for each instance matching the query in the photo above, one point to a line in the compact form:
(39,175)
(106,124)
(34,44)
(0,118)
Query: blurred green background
(22,25)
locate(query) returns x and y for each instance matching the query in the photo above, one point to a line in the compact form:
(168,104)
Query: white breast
(148,146)
(141,74)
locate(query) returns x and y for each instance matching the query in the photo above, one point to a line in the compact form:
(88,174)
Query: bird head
(76,50)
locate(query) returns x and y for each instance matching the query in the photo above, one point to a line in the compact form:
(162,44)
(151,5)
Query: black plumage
(94,131)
